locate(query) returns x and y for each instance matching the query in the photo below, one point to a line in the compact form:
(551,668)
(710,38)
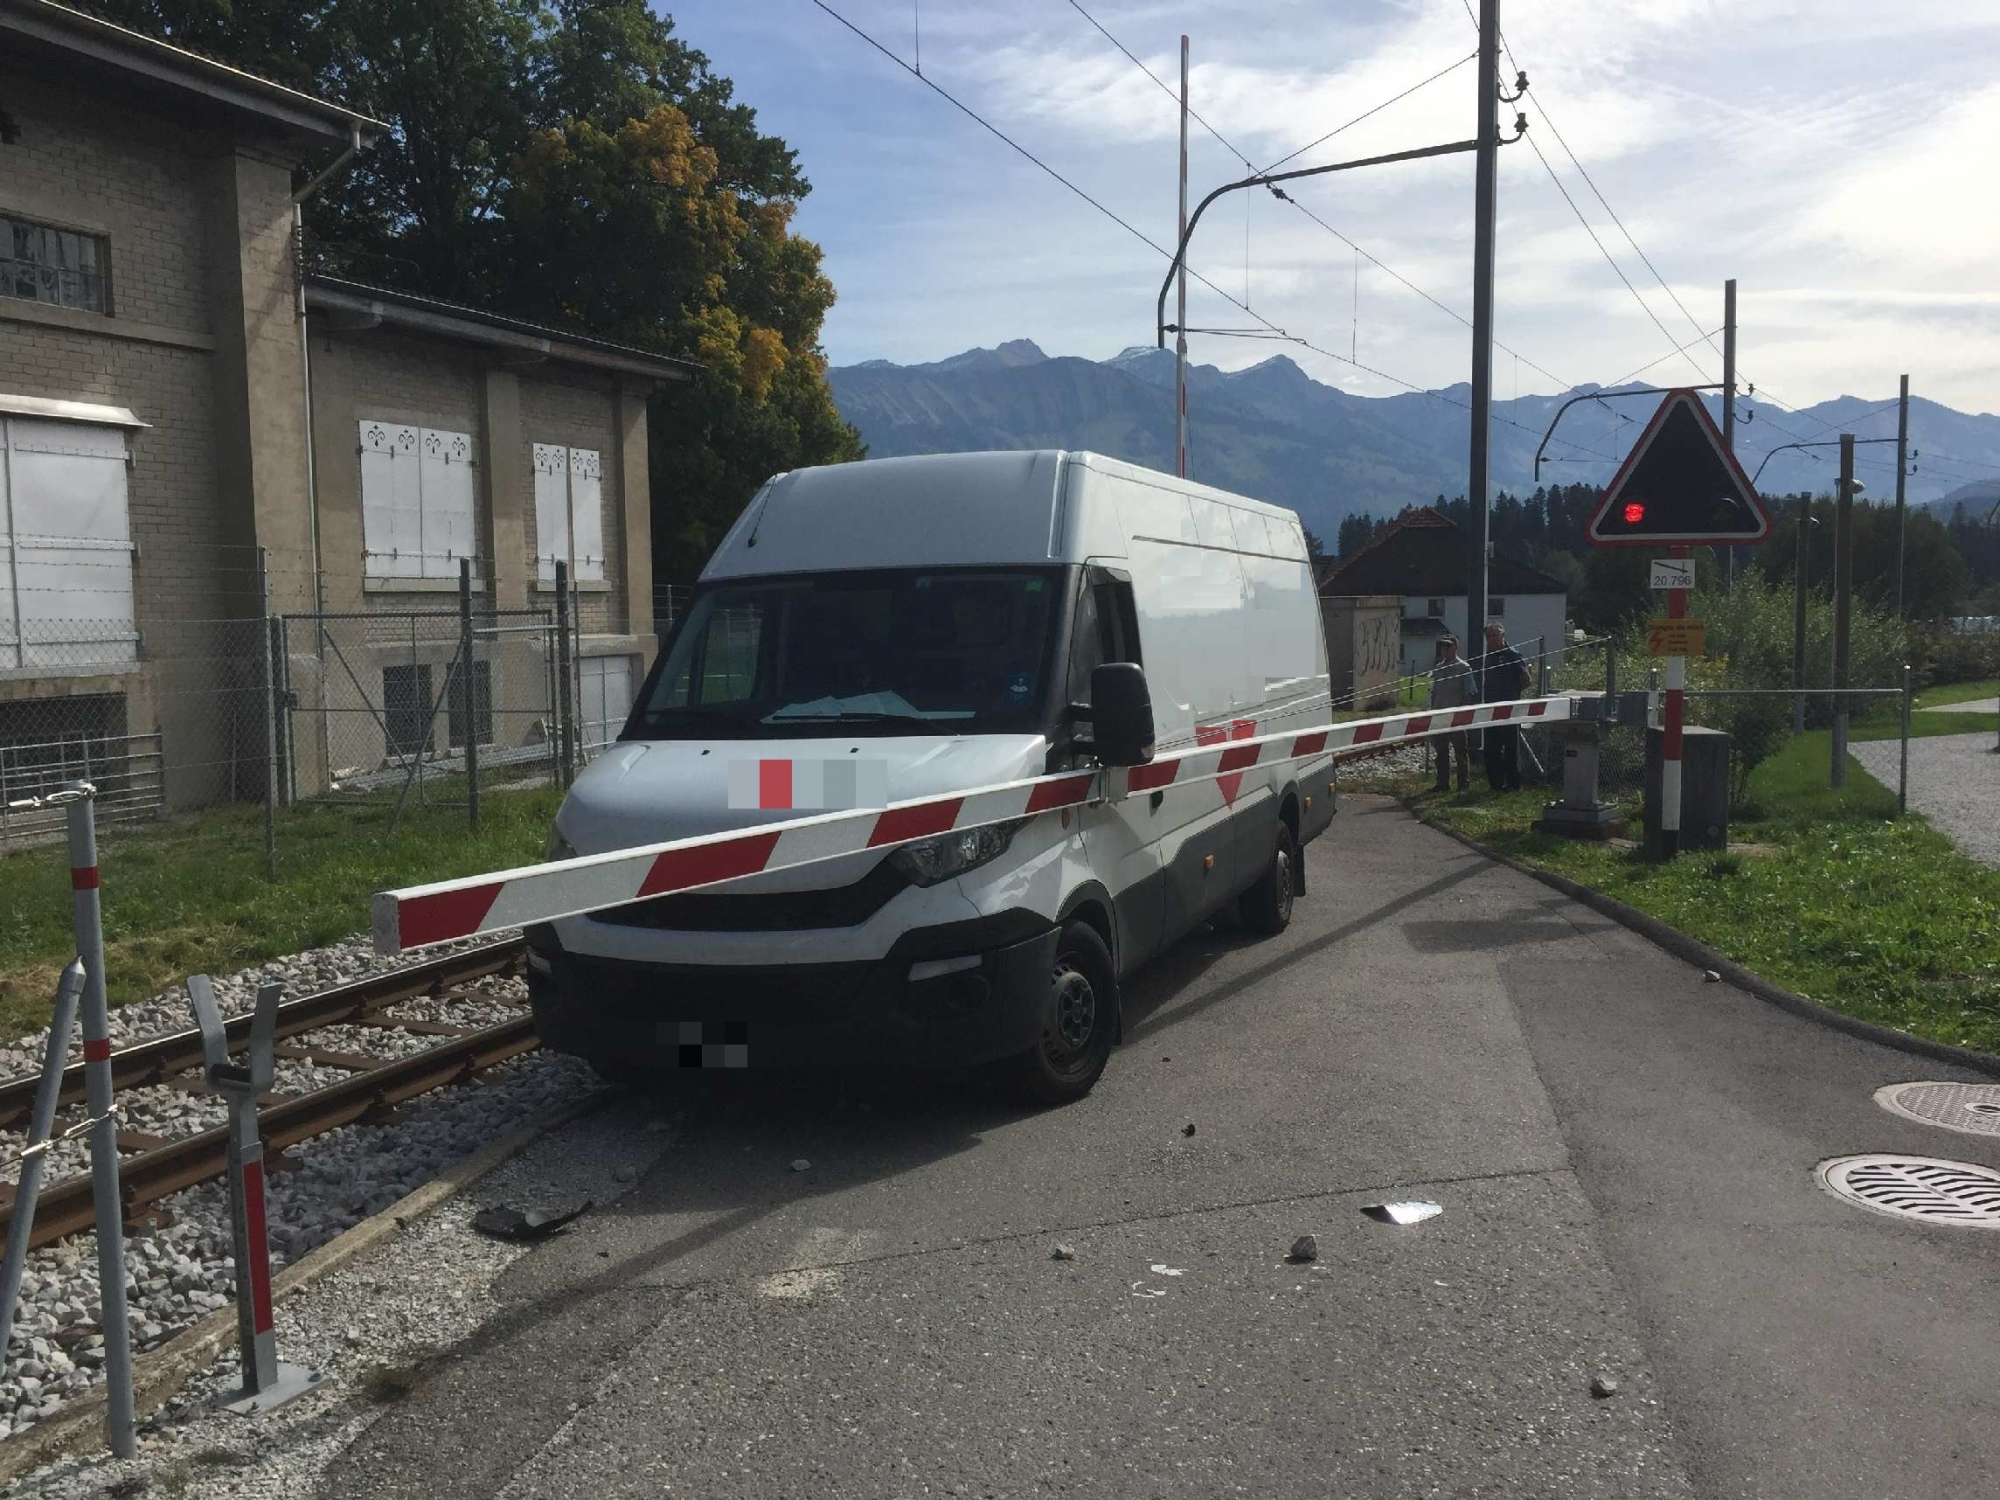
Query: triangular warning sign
(1679,484)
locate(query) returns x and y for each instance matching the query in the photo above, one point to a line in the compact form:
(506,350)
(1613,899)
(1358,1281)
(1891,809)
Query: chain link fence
(423,703)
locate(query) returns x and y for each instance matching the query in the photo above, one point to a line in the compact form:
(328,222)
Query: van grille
(764,911)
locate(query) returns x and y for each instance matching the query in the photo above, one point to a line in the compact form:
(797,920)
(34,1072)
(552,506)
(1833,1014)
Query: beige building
(178,403)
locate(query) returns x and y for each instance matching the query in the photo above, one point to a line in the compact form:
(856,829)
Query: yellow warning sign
(1676,638)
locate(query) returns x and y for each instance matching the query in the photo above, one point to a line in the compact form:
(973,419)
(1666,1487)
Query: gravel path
(1954,781)
(1977,706)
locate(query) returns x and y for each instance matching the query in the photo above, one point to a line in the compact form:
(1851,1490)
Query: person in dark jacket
(1505,680)
(1452,686)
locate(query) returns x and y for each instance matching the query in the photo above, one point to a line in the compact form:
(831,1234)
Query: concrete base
(1600,821)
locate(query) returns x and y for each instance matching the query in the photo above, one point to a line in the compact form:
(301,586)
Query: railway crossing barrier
(439,912)
(266,1382)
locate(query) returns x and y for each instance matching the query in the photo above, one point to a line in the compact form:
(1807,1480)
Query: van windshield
(947,651)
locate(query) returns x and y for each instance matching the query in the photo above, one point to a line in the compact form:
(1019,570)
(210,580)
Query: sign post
(1679,485)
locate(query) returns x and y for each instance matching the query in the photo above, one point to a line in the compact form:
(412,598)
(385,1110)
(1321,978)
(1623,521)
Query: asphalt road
(1623,1154)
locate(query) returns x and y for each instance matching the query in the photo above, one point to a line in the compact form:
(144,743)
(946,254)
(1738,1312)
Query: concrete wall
(1363,647)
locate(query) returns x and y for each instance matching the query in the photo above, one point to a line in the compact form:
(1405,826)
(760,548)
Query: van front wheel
(1267,906)
(1079,1017)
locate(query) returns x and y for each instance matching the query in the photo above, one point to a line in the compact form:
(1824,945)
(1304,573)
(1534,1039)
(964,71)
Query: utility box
(1704,788)
(1364,648)
(1581,814)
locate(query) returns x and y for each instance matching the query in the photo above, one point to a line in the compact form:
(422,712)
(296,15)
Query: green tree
(576,162)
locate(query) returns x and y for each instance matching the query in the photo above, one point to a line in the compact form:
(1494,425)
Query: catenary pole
(1180,316)
(1843,594)
(1483,220)
(1902,470)
(1729,405)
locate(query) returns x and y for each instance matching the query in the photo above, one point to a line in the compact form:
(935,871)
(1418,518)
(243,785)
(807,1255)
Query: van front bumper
(987,1003)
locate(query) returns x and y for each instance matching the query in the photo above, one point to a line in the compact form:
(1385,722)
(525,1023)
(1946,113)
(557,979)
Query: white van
(910,627)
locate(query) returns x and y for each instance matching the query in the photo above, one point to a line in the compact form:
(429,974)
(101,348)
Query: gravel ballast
(184,1270)
(1954,782)
(368,1328)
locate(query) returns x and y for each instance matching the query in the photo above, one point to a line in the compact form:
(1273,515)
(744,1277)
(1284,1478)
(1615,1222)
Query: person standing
(1452,686)
(1505,680)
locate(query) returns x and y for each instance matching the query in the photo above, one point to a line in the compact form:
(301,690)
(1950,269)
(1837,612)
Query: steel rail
(149,1176)
(158,1058)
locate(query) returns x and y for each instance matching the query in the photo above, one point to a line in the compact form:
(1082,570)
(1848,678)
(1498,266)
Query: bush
(1943,655)
(1749,631)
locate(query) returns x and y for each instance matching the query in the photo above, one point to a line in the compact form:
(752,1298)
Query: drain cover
(1971,1107)
(1916,1187)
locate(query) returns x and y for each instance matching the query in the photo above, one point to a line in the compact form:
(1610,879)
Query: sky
(1837,158)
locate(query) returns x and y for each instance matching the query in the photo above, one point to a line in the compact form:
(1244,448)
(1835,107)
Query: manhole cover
(1916,1187)
(1971,1107)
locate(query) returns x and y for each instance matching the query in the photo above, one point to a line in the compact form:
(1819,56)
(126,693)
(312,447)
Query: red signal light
(1634,513)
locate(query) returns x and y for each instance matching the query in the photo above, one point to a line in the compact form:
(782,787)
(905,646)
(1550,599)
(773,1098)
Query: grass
(1957,692)
(190,896)
(1877,916)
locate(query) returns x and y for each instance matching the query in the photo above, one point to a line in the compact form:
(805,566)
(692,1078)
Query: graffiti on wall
(1378,645)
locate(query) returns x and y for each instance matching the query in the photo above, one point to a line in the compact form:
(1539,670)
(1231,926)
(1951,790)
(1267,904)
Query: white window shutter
(72,545)
(449,529)
(586,512)
(392,513)
(551,509)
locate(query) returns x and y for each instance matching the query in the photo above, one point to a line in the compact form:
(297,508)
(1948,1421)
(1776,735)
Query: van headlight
(932,861)
(559,847)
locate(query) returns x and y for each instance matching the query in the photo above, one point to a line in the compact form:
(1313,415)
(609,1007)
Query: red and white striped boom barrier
(437,913)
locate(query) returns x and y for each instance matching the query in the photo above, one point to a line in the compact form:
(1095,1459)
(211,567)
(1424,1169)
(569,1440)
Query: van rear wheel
(1267,906)
(1079,1017)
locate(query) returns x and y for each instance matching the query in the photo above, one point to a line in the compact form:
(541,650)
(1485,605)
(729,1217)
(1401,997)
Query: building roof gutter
(352,306)
(138,56)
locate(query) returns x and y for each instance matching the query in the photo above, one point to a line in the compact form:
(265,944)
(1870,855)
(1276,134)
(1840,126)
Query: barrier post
(1670,732)
(267,1383)
(35,1158)
(88,915)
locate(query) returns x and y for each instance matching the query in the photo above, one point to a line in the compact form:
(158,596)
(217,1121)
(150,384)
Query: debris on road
(506,1222)
(1304,1248)
(625,1175)
(1602,1386)
(1159,1269)
(1413,1212)
(1062,1252)
(1140,1289)
(1188,1129)
(1709,976)
(801,1165)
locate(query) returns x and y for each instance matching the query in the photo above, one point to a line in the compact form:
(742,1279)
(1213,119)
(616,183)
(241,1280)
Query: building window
(606,683)
(1434,608)
(569,512)
(417,508)
(1496,607)
(40,263)
(406,709)
(482,705)
(65,549)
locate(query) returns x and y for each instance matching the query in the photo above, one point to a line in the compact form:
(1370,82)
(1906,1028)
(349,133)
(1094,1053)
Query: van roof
(934,509)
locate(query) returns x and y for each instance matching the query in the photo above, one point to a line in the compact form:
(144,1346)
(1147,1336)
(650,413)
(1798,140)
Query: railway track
(155,1167)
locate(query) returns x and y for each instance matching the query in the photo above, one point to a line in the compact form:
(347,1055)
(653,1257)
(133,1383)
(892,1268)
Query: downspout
(305,350)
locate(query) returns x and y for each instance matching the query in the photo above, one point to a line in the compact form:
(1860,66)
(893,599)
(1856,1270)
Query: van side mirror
(1121,714)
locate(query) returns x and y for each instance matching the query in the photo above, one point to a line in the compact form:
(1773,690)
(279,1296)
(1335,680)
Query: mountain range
(1274,432)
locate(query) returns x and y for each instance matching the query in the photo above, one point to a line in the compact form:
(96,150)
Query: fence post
(1903,763)
(88,916)
(467,697)
(564,725)
(270,686)
(1610,668)
(40,1126)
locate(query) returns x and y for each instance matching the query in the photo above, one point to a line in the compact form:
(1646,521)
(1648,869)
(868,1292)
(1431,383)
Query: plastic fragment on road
(1304,1248)
(1709,976)
(1160,1269)
(1188,1129)
(800,1164)
(506,1222)
(1414,1211)
(1141,1290)
(1062,1252)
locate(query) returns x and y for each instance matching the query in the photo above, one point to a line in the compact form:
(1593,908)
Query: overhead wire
(1239,154)
(1142,236)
